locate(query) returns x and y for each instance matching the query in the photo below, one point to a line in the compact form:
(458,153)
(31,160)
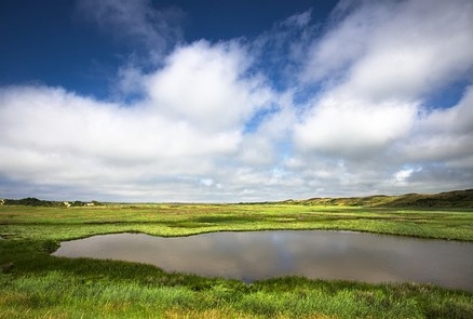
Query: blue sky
(228,101)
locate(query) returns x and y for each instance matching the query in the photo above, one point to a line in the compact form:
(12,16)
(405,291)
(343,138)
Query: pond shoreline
(251,258)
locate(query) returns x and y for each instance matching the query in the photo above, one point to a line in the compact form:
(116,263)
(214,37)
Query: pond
(251,256)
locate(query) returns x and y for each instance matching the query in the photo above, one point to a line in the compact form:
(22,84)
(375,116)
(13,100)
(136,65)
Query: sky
(231,101)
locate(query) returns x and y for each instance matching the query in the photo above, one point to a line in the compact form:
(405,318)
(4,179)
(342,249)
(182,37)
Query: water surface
(250,256)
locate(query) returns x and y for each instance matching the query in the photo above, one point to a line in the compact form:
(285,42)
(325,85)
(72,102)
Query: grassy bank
(34,284)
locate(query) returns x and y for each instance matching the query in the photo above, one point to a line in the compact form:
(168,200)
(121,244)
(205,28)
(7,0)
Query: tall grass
(112,292)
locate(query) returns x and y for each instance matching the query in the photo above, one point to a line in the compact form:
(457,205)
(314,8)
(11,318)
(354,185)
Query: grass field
(34,284)
(59,223)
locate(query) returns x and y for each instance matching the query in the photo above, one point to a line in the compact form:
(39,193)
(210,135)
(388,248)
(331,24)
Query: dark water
(251,256)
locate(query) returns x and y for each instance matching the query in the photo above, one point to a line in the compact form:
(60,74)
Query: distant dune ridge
(452,199)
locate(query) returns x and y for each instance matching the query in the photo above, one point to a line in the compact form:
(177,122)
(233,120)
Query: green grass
(59,223)
(34,284)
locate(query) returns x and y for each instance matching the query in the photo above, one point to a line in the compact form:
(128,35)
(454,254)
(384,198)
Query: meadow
(34,284)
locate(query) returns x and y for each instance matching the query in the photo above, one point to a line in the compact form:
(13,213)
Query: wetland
(35,284)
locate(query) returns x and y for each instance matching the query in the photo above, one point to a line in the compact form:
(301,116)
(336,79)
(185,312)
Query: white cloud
(397,50)
(257,150)
(353,128)
(343,44)
(401,177)
(52,119)
(191,120)
(207,86)
(456,119)
(417,50)
(378,62)
(207,182)
(256,120)
(442,135)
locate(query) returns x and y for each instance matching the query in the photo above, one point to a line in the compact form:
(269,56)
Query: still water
(250,256)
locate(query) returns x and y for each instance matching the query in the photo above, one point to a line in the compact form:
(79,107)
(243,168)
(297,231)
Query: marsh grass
(58,223)
(34,284)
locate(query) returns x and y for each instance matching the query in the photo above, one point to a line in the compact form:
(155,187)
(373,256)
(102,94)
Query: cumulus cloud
(207,86)
(226,122)
(343,43)
(391,53)
(442,135)
(388,50)
(378,62)
(353,128)
(192,117)
(419,49)
(53,137)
